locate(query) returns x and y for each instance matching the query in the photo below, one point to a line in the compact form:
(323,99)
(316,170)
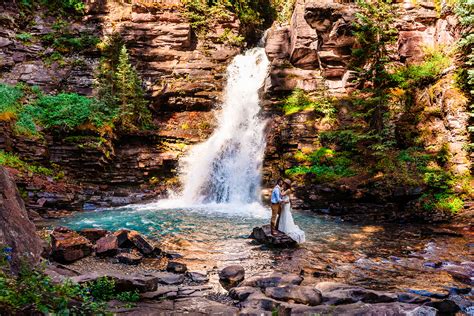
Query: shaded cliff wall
(183,73)
(313,53)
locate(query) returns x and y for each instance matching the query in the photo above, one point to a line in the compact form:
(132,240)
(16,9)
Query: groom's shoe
(274,232)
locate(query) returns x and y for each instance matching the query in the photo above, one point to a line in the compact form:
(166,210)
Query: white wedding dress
(287,224)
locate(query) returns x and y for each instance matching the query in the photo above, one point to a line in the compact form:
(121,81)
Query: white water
(224,172)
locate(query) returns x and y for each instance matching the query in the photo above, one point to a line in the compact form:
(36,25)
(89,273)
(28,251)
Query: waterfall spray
(226,168)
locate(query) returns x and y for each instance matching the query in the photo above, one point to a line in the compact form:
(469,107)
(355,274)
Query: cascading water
(226,168)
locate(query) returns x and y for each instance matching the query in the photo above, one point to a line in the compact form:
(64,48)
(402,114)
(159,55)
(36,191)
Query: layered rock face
(184,75)
(18,240)
(313,53)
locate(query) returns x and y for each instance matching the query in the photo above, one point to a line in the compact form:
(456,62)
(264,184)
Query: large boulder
(338,293)
(299,294)
(68,246)
(231,276)
(264,235)
(16,230)
(274,279)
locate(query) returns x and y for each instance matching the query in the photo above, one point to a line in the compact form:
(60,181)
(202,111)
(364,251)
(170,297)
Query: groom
(276,205)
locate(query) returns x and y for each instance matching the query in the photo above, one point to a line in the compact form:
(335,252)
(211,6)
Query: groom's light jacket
(276,195)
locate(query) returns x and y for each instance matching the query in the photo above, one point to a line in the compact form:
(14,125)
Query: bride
(286,222)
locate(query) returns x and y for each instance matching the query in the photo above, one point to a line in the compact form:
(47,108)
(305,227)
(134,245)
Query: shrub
(13,161)
(346,139)
(299,101)
(24,37)
(9,97)
(444,202)
(103,289)
(67,111)
(413,75)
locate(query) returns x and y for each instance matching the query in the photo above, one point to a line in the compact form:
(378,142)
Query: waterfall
(226,168)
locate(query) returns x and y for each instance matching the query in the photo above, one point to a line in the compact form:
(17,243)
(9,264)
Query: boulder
(338,293)
(231,276)
(169,278)
(198,277)
(17,232)
(274,279)
(132,258)
(176,267)
(133,239)
(140,282)
(68,246)
(93,234)
(299,294)
(241,293)
(107,246)
(264,235)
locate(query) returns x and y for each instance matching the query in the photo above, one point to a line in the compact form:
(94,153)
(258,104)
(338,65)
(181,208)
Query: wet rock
(107,246)
(299,294)
(258,301)
(272,280)
(356,309)
(231,276)
(412,299)
(430,294)
(68,246)
(264,235)
(140,282)
(169,278)
(132,258)
(198,277)
(16,231)
(173,255)
(133,239)
(338,293)
(93,234)
(241,293)
(161,292)
(176,267)
(445,307)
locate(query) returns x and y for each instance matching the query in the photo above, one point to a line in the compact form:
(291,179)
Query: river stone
(231,276)
(16,230)
(264,235)
(140,242)
(258,301)
(445,307)
(299,294)
(161,292)
(176,267)
(198,277)
(93,234)
(140,282)
(169,278)
(357,309)
(338,293)
(132,258)
(68,246)
(272,280)
(107,246)
(241,293)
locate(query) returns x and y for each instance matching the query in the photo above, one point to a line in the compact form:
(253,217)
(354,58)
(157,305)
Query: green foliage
(347,140)
(24,37)
(67,111)
(409,77)
(299,101)
(444,202)
(102,289)
(9,98)
(254,15)
(13,161)
(132,105)
(324,165)
(128,296)
(61,6)
(64,40)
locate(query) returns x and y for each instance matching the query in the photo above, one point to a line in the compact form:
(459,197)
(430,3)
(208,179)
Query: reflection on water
(380,257)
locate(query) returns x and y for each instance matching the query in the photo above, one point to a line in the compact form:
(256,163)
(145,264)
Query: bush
(346,139)
(326,165)
(24,37)
(414,75)
(13,161)
(9,97)
(299,101)
(444,202)
(68,111)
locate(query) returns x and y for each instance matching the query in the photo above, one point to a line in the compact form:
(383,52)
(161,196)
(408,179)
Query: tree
(374,34)
(133,108)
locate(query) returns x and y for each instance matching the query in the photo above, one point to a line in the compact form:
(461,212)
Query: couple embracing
(282,219)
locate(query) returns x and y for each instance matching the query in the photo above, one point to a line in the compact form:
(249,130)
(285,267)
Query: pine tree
(129,94)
